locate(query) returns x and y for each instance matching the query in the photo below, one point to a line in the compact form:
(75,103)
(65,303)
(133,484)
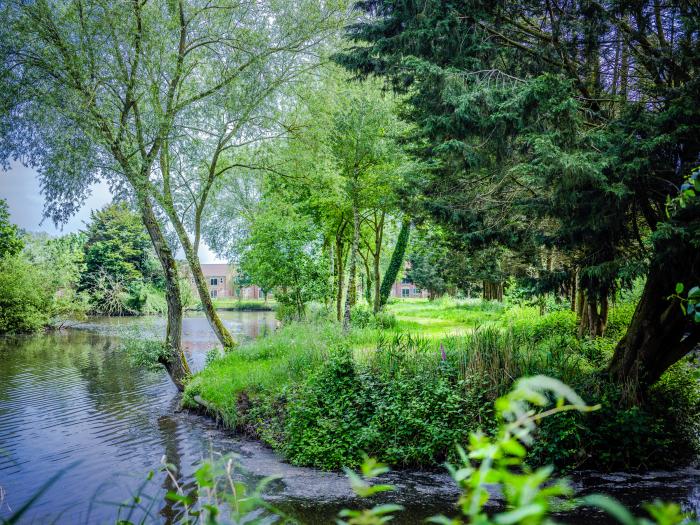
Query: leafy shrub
(146,353)
(660,432)
(326,415)
(286,312)
(25,300)
(384,320)
(360,316)
(619,319)
(539,327)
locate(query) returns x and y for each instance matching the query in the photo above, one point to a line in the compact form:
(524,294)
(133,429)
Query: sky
(19,186)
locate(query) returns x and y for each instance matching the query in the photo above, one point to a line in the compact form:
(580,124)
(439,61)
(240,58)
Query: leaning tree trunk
(660,333)
(397,258)
(349,299)
(222,334)
(175,363)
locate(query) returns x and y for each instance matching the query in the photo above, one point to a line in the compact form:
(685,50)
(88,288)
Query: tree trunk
(493,291)
(369,285)
(378,240)
(166,202)
(377,284)
(340,269)
(353,266)
(592,315)
(397,258)
(574,290)
(660,333)
(222,334)
(175,363)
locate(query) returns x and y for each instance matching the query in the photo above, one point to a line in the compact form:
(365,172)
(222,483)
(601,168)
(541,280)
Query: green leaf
(679,287)
(694,293)
(179,498)
(519,514)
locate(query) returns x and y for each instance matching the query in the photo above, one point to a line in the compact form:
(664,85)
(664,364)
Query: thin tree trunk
(378,241)
(222,334)
(175,363)
(493,291)
(574,290)
(340,270)
(353,265)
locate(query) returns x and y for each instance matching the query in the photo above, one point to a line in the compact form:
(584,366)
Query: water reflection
(75,395)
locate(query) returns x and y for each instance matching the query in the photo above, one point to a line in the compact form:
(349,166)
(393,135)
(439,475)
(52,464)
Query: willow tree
(218,135)
(98,90)
(576,119)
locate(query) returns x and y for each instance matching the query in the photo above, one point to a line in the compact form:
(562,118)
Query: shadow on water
(74,396)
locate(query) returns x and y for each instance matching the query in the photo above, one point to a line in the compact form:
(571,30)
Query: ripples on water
(74,396)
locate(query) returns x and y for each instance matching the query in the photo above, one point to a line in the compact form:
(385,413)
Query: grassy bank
(408,394)
(245,305)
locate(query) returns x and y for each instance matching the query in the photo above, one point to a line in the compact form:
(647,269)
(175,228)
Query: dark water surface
(74,396)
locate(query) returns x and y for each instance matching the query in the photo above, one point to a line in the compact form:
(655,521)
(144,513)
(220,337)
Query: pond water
(72,402)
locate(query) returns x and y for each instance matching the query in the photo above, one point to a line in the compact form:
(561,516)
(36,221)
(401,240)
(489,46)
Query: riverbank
(245,305)
(408,394)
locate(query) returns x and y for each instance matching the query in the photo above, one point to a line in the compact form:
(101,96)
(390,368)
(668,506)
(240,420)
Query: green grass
(244,304)
(445,316)
(320,396)
(266,364)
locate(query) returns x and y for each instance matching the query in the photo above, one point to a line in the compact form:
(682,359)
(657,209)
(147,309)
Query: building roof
(215,270)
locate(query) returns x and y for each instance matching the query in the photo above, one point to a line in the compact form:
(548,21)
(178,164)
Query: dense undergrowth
(324,399)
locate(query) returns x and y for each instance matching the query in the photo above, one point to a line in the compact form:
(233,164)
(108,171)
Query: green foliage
(10,241)
(283,252)
(38,286)
(362,317)
(25,300)
(148,353)
(121,273)
(396,262)
(539,327)
(117,244)
(322,399)
(539,145)
(496,463)
(216,497)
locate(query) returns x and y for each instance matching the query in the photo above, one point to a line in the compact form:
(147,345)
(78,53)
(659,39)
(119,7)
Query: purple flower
(442,352)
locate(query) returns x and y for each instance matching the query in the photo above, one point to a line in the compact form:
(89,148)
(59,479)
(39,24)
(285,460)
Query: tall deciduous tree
(98,90)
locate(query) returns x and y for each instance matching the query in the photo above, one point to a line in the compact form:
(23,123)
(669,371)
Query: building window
(405,292)
(214,281)
(221,280)
(213,294)
(405,280)
(418,291)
